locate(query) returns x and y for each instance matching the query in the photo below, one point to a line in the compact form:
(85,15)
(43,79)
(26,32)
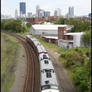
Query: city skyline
(82,7)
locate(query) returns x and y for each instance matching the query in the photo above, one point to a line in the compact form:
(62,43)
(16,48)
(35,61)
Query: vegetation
(50,45)
(77,62)
(79,25)
(14,25)
(87,39)
(9,58)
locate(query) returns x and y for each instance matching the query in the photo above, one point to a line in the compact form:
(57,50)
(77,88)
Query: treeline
(78,62)
(14,25)
(79,25)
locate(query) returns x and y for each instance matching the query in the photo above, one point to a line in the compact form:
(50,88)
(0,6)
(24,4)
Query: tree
(86,38)
(28,25)
(13,25)
(79,25)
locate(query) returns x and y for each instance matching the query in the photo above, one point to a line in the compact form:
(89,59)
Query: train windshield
(49,87)
(45,57)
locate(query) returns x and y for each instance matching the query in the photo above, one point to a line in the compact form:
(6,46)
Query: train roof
(46,64)
(41,48)
(43,56)
(48,77)
(37,44)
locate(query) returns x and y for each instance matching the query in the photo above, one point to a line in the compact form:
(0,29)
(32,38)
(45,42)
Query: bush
(13,25)
(81,78)
(63,55)
(79,64)
(79,25)
(87,39)
(69,63)
(28,25)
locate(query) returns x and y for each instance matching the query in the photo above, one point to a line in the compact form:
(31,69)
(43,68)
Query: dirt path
(63,79)
(19,73)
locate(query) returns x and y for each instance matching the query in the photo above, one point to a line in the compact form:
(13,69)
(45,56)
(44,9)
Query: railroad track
(32,78)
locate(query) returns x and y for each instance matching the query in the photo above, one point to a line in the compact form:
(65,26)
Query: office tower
(71,12)
(46,14)
(16,13)
(22,9)
(40,13)
(57,12)
(37,10)
(29,14)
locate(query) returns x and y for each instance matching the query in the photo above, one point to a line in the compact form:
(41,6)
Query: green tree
(86,38)
(28,25)
(79,25)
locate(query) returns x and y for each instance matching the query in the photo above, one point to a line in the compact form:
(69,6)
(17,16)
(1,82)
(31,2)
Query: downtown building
(70,12)
(57,12)
(29,14)
(46,14)
(22,9)
(16,14)
(41,13)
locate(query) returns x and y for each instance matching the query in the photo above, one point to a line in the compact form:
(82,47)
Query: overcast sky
(81,7)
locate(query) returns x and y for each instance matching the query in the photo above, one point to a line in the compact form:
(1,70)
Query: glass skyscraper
(22,9)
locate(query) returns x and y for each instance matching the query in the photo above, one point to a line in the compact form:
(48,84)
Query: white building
(47,29)
(16,13)
(72,40)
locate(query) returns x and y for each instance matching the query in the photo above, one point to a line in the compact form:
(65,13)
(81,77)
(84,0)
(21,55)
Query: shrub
(14,25)
(28,25)
(81,78)
(69,63)
(63,55)
(87,39)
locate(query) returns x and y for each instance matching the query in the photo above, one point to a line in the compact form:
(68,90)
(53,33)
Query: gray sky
(81,7)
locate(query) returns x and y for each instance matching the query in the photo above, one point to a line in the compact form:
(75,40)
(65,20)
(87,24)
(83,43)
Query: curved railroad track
(32,77)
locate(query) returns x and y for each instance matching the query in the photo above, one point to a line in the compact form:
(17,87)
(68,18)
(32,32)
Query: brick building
(36,20)
(69,40)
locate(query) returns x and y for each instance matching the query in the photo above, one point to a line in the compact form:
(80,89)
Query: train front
(49,88)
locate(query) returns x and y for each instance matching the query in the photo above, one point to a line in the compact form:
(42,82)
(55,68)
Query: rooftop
(49,27)
(51,37)
(75,33)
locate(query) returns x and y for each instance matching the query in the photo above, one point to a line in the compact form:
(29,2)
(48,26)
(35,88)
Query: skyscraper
(16,13)
(40,13)
(57,12)
(71,12)
(37,10)
(46,14)
(22,9)
(29,14)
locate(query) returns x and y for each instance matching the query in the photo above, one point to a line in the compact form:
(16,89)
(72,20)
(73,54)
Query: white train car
(41,49)
(43,56)
(48,76)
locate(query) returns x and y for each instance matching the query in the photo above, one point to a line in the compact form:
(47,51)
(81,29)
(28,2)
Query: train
(48,79)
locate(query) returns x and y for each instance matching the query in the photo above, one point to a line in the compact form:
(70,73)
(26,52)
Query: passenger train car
(48,76)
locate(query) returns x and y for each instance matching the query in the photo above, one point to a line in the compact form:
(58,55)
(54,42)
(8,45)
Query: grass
(50,45)
(9,59)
